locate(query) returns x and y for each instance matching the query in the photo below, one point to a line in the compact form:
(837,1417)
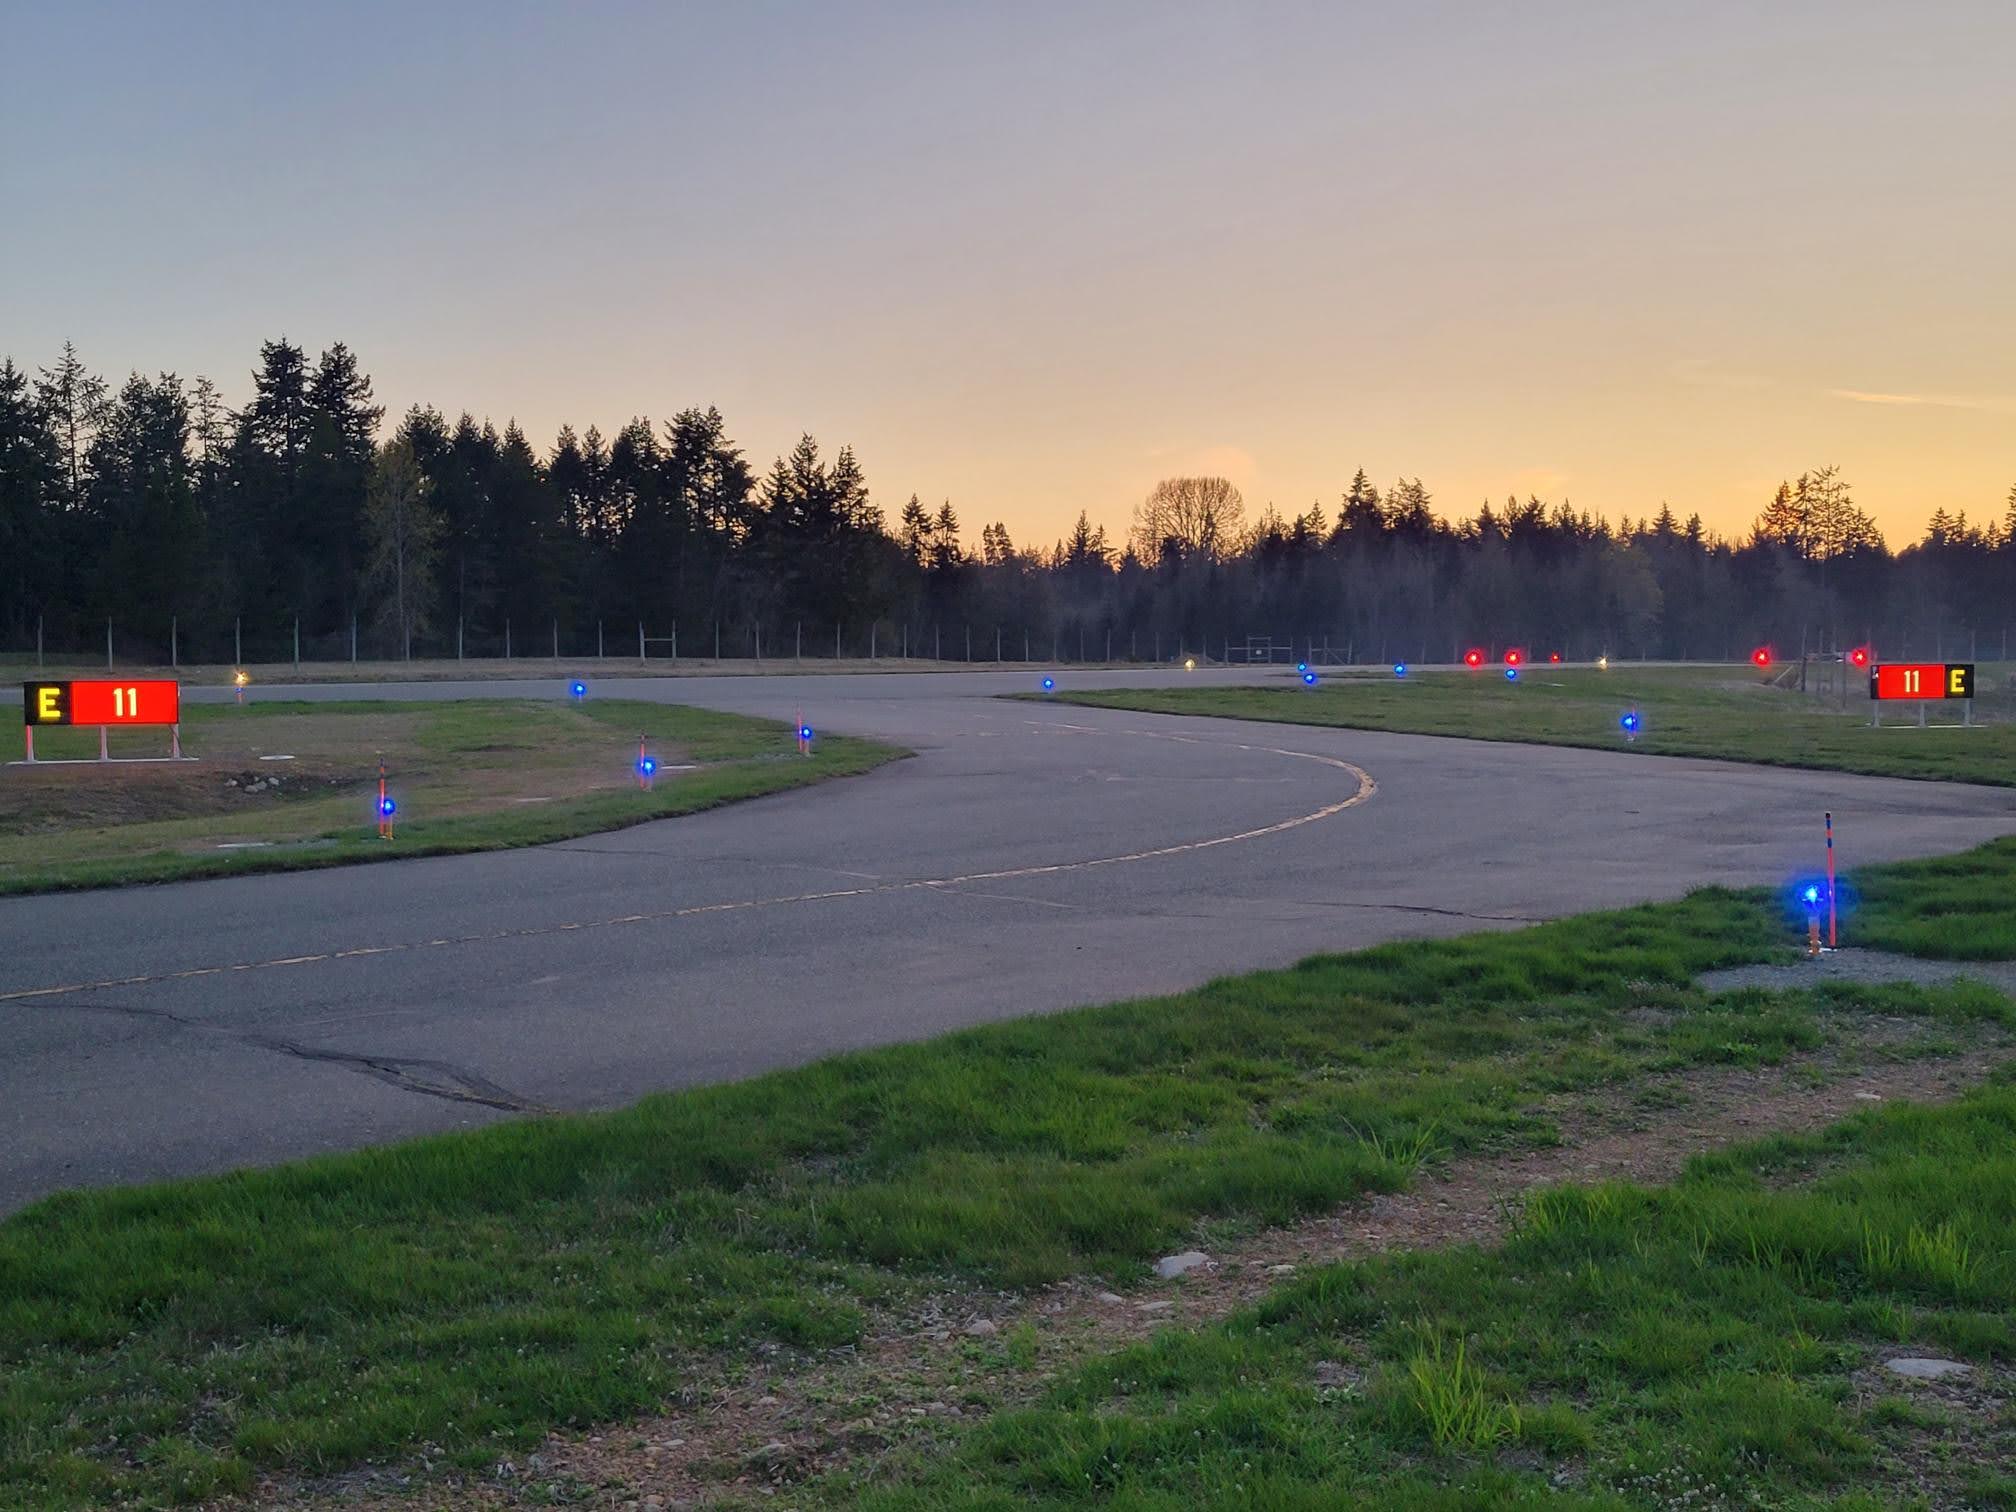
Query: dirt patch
(1932,1435)
(920,1376)
(1865,967)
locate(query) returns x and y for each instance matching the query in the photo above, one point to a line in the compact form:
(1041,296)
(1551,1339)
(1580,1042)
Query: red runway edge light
(1473,658)
(1859,657)
(1761,656)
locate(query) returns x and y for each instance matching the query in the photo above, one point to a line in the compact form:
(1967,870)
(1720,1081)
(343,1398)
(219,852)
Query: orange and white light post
(238,680)
(1833,940)
(386,807)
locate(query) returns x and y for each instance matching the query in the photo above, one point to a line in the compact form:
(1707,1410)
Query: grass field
(1723,713)
(283,786)
(1717,1343)
(455,1298)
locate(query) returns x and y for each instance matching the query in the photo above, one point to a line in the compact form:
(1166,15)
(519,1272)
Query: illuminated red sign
(102,701)
(1923,680)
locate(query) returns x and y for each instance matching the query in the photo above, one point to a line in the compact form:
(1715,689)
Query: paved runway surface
(1031,858)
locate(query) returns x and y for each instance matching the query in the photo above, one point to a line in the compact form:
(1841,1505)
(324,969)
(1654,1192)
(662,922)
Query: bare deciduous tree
(1191,518)
(403,535)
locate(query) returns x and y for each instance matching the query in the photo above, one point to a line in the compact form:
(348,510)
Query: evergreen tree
(525,530)
(140,507)
(337,461)
(945,553)
(914,533)
(271,549)
(72,401)
(31,479)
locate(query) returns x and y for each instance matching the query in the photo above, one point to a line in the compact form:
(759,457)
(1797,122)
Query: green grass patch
(467,775)
(1719,713)
(474,1291)
(1705,1344)
(1959,907)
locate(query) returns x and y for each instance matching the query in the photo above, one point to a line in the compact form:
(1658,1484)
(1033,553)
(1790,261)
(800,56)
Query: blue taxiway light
(1308,679)
(1629,722)
(1810,895)
(1399,669)
(804,732)
(387,807)
(648,765)
(577,690)
(1511,674)
(1301,666)
(1049,685)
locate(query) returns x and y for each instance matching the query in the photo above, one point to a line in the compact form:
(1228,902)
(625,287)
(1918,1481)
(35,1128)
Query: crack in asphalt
(454,1084)
(429,1078)
(1447,913)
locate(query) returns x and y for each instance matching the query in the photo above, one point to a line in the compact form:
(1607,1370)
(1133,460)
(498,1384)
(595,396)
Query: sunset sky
(1032,257)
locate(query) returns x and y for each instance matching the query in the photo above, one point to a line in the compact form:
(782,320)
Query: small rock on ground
(1169,1267)
(1927,1369)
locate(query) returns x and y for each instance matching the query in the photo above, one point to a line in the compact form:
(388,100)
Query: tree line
(155,504)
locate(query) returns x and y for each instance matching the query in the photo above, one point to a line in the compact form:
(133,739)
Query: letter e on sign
(1960,680)
(45,703)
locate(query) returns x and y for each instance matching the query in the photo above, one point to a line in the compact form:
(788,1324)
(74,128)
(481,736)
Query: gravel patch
(1868,966)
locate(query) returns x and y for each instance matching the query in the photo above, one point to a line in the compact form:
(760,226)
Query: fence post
(872,638)
(556,640)
(675,643)
(969,645)
(598,640)
(640,640)
(297,643)
(717,640)
(836,640)
(507,639)
(458,637)
(937,643)
(798,641)
(997,645)
(238,641)
(1025,645)
(759,645)
(353,640)
(38,641)
(174,642)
